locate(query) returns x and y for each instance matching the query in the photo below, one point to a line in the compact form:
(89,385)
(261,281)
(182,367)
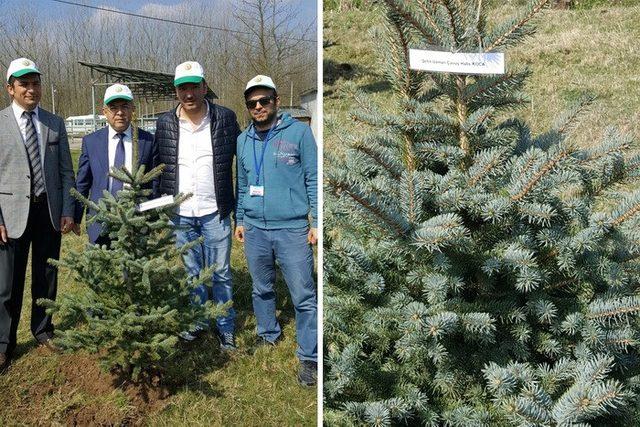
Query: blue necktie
(118,162)
(33,151)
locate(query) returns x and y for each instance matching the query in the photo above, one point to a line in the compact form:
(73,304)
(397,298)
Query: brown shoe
(49,345)
(5,360)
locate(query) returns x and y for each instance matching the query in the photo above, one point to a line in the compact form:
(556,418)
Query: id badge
(256,190)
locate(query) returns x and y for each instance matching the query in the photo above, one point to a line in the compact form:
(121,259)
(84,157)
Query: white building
(308,101)
(82,125)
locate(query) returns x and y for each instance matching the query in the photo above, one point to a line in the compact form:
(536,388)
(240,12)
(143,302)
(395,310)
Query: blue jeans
(289,247)
(215,250)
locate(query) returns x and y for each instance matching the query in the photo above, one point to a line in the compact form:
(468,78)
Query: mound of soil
(78,374)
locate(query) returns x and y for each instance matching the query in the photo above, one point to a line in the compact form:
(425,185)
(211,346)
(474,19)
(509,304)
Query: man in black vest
(197,141)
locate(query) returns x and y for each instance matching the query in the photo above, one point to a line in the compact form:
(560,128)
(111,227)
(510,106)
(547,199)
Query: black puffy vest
(224,133)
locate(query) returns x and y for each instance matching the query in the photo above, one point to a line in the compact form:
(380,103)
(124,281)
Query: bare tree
(276,43)
(258,37)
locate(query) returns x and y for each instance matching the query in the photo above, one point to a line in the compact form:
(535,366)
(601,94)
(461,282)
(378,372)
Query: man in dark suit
(109,147)
(36,175)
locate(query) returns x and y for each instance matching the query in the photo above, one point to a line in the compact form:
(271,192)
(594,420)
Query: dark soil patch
(146,398)
(81,374)
(98,415)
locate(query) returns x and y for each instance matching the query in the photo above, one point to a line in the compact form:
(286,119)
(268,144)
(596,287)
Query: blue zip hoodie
(289,175)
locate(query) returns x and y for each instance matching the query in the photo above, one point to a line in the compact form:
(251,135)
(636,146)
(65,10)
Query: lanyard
(257,164)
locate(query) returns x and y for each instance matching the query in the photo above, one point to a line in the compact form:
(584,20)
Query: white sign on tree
(456,62)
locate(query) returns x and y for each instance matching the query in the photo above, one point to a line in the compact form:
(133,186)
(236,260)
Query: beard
(271,116)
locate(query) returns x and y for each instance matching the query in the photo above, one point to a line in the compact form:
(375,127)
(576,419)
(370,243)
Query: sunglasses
(263,101)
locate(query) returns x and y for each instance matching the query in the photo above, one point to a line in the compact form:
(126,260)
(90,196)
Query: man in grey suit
(36,175)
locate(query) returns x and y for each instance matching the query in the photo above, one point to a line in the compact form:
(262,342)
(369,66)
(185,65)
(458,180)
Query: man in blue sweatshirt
(277,190)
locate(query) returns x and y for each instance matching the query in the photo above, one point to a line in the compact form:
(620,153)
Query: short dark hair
(12,79)
(273,91)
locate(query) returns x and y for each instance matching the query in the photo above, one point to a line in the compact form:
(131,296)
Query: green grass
(208,387)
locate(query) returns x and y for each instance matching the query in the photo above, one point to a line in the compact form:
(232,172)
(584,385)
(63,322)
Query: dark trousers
(44,277)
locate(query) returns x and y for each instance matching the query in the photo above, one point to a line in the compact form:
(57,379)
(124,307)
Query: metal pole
(93,105)
(53,99)
(291,99)
(93,100)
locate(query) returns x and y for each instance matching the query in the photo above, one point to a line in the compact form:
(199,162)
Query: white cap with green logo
(21,66)
(259,81)
(188,72)
(117,91)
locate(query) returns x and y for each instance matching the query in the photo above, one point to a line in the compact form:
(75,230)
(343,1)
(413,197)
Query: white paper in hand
(155,203)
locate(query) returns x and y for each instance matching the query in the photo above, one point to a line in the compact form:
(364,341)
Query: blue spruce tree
(477,274)
(134,297)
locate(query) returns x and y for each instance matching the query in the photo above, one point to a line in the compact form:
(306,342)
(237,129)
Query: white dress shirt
(22,124)
(195,167)
(128,149)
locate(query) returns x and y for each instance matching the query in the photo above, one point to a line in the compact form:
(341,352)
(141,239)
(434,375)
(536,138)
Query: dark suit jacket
(93,170)
(15,176)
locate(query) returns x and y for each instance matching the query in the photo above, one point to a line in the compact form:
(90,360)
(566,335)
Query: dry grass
(573,52)
(584,51)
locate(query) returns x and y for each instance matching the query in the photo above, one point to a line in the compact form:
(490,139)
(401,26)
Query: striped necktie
(118,162)
(33,151)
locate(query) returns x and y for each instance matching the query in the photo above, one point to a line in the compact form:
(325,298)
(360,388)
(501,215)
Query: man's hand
(3,235)
(76,229)
(239,233)
(312,237)
(66,223)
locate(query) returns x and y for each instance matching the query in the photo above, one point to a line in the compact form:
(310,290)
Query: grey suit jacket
(15,176)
